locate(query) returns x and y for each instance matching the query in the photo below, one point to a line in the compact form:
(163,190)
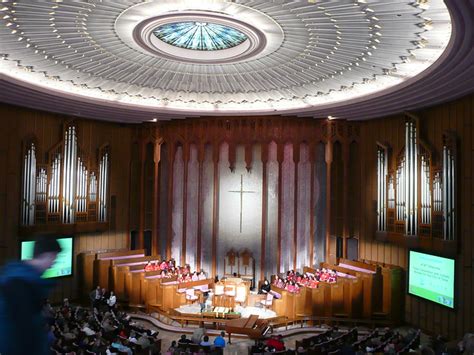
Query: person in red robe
(148,267)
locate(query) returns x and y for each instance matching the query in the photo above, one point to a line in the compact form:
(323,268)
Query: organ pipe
(381,189)
(69,175)
(448,193)
(41,185)
(411,178)
(103,186)
(92,187)
(29,187)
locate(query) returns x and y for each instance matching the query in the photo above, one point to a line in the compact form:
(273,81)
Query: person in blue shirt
(219,341)
(22,295)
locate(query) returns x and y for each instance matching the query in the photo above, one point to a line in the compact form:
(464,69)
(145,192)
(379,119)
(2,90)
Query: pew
(344,298)
(393,289)
(104,261)
(285,305)
(85,269)
(372,281)
(120,273)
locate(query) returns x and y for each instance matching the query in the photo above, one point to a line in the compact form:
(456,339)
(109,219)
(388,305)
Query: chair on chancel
(191,296)
(268,301)
(241,294)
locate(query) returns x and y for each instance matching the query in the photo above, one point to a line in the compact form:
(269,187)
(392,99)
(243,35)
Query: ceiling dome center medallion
(203,36)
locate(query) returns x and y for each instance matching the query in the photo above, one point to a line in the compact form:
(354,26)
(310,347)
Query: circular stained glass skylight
(202,36)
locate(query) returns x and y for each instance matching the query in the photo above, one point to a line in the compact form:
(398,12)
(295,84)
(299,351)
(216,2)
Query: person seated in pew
(195,276)
(205,341)
(219,341)
(313,283)
(171,263)
(276,342)
(164,265)
(156,266)
(201,275)
(184,340)
(149,267)
(265,288)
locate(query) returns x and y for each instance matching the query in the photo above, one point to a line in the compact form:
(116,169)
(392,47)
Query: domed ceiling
(134,61)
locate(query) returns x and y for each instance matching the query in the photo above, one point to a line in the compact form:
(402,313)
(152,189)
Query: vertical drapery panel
(164,220)
(304,208)
(287,210)
(177,209)
(319,200)
(253,207)
(192,193)
(207,193)
(222,229)
(271,238)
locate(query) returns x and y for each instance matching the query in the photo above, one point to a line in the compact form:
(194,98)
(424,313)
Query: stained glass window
(203,36)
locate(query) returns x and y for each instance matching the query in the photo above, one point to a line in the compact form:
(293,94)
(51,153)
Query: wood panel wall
(456,116)
(19,123)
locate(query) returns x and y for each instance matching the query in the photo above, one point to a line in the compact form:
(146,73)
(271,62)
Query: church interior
(280,168)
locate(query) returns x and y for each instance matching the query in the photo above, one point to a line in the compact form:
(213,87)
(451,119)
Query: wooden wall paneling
(171,158)
(280,158)
(215,206)
(329,157)
(296,160)
(264,158)
(201,156)
(141,224)
(345,193)
(186,153)
(156,199)
(312,161)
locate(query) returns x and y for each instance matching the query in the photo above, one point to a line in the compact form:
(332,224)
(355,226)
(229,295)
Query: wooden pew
(119,271)
(285,305)
(372,281)
(85,269)
(104,261)
(393,290)
(343,298)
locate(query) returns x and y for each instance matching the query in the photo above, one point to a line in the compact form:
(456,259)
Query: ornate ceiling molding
(301,57)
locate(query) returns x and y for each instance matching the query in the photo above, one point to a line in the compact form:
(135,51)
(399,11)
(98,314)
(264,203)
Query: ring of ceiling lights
(307,55)
(254,44)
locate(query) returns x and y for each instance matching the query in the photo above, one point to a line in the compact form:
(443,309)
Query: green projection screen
(431,277)
(63,264)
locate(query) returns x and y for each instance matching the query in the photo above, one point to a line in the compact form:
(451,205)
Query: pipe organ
(67,188)
(417,197)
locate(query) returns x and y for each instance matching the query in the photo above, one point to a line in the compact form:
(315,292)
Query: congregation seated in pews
(79,330)
(334,341)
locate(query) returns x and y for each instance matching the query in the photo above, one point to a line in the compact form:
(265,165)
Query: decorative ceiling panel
(286,55)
